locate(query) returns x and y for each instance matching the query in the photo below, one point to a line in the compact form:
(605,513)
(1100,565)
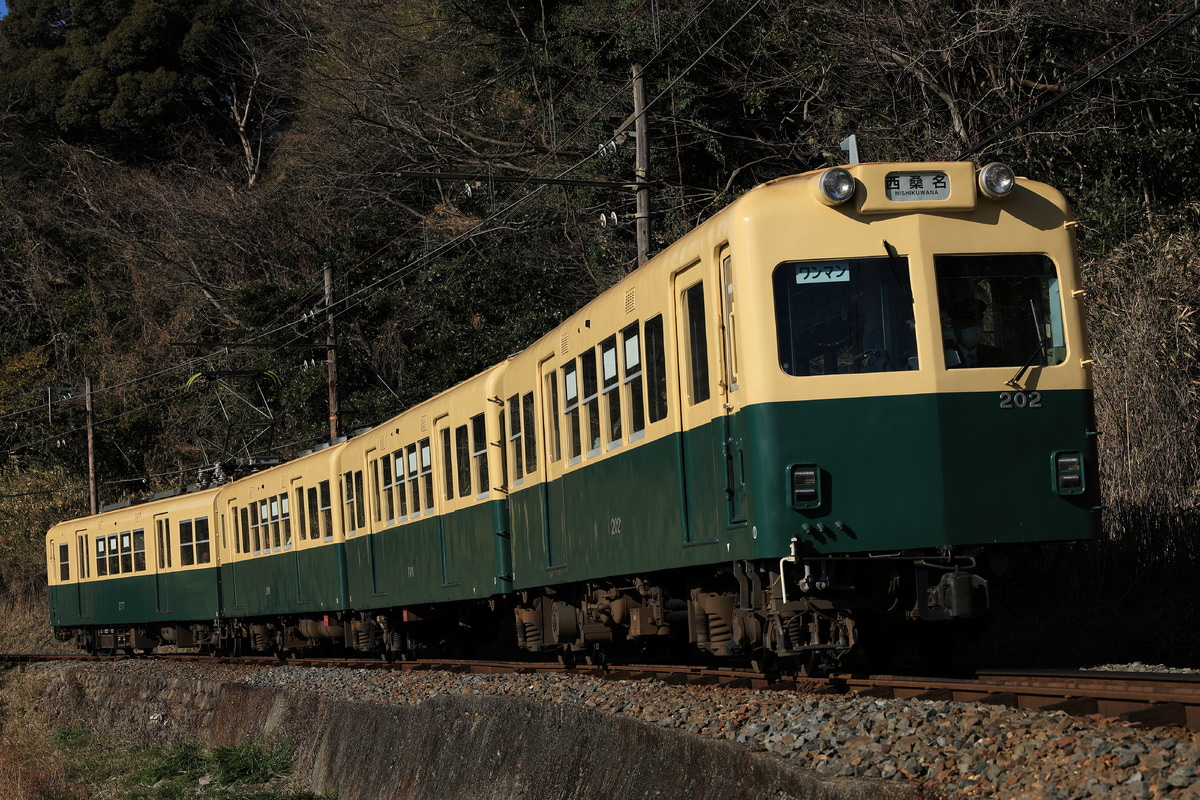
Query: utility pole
(93,498)
(331,355)
(642,165)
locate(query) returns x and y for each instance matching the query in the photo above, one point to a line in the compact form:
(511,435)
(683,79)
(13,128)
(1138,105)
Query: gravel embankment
(952,749)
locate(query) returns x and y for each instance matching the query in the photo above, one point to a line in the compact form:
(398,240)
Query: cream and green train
(813,416)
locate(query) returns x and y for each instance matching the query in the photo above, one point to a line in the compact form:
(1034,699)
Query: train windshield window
(999,311)
(844,316)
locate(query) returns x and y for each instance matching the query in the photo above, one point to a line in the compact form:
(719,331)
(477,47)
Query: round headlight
(996,180)
(837,185)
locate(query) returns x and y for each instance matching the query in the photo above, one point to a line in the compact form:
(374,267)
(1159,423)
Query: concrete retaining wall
(485,748)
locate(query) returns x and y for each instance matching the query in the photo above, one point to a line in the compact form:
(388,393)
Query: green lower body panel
(307,580)
(138,599)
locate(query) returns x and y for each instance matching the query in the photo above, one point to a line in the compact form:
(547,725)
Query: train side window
(139,550)
(126,552)
(554,446)
(447,466)
(462,453)
(301,516)
(64,562)
(571,412)
(377,488)
(285,519)
(385,501)
(632,379)
(479,454)
(414,479)
(697,343)
(276,525)
(514,439)
(731,356)
(245,513)
(114,557)
(237,536)
(326,507)
(591,400)
(611,386)
(84,561)
(101,556)
(399,487)
(256,528)
(427,473)
(503,448)
(528,411)
(355,513)
(203,552)
(187,547)
(314,513)
(656,369)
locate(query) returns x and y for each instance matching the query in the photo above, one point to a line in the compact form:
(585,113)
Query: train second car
(820,414)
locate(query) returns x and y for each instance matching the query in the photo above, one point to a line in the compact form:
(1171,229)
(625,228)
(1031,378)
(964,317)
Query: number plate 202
(1020,399)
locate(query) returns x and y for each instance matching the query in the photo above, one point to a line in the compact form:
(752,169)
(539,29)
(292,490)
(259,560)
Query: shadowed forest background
(176,175)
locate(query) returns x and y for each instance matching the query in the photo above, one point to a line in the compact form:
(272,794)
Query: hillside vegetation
(176,176)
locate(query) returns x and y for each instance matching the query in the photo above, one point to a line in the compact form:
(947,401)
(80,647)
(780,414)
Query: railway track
(1137,699)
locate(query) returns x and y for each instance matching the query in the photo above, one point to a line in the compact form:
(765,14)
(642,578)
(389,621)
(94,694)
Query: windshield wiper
(1037,354)
(893,255)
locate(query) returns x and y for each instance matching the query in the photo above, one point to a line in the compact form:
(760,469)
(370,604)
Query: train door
(735,473)
(702,420)
(553,490)
(162,562)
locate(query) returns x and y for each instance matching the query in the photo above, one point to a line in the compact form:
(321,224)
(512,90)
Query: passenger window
(531,459)
(399,487)
(126,552)
(114,558)
(414,480)
(731,360)
(326,507)
(285,519)
(187,548)
(611,385)
(202,545)
(301,518)
(514,439)
(656,369)
(427,473)
(385,501)
(84,558)
(101,556)
(551,410)
(64,562)
(139,550)
(697,344)
(462,452)
(245,511)
(633,379)
(479,453)
(447,465)
(591,400)
(276,524)
(571,412)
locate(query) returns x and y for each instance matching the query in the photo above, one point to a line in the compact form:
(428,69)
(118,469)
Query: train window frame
(85,561)
(202,541)
(426,449)
(114,555)
(987,310)
(729,328)
(610,388)
(301,514)
(399,484)
(285,519)
(479,456)
(844,316)
(139,550)
(658,407)
(571,412)
(276,523)
(187,548)
(325,507)
(695,337)
(529,415)
(101,556)
(515,440)
(64,562)
(591,401)
(245,513)
(414,479)
(632,382)
(554,429)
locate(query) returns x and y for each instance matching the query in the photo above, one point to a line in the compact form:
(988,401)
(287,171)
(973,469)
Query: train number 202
(1020,399)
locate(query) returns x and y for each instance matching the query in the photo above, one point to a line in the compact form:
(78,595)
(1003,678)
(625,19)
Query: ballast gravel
(950,750)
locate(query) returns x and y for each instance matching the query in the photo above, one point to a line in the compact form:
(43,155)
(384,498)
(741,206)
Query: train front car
(914,393)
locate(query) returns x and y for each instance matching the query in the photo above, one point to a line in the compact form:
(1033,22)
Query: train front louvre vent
(564,345)
(630,300)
